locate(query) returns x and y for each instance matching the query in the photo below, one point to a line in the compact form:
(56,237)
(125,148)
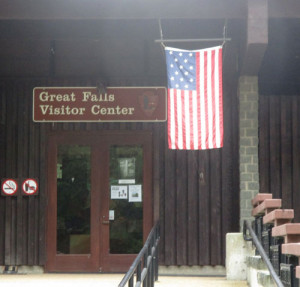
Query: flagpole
(192,40)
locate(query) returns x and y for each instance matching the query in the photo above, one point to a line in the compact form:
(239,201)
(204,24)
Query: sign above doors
(88,104)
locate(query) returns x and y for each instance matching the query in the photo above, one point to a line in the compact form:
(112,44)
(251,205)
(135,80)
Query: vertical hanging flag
(195,103)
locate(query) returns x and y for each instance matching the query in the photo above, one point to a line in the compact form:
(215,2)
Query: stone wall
(248,132)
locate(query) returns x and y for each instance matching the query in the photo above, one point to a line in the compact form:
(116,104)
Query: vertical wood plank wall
(198,190)
(22,221)
(279,150)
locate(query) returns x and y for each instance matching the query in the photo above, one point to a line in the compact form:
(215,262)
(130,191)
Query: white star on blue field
(181,69)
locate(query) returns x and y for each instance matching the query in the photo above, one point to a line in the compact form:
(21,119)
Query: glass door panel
(126,199)
(73,199)
(99,200)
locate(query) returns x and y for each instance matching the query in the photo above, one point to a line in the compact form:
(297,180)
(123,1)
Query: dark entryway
(99,200)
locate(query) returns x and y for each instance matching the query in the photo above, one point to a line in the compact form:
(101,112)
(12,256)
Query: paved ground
(103,280)
(164,281)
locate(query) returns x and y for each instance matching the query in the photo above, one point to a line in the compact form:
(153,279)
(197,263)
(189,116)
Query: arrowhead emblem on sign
(148,102)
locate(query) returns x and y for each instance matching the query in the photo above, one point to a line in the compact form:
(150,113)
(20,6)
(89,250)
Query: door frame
(100,260)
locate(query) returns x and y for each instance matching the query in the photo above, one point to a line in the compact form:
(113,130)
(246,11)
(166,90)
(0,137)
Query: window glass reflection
(126,196)
(73,199)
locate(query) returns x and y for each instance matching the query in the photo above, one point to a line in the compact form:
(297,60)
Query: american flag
(195,105)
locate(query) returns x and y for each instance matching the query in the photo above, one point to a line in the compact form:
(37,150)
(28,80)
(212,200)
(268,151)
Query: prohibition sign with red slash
(30,186)
(9,187)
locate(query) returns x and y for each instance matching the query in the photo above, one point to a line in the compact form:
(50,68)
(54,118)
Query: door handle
(104,221)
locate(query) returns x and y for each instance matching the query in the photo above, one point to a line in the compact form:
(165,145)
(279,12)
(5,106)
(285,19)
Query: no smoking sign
(9,187)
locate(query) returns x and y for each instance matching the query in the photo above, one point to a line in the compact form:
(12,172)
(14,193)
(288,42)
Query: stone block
(246,177)
(253,186)
(266,206)
(245,88)
(251,132)
(245,123)
(251,150)
(236,253)
(256,176)
(265,279)
(291,249)
(252,168)
(245,159)
(260,197)
(289,231)
(298,271)
(246,142)
(243,203)
(279,216)
(251,115)
(252,96)
(243,186)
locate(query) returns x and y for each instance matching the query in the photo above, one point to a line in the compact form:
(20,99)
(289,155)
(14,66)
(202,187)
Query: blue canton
(181,69)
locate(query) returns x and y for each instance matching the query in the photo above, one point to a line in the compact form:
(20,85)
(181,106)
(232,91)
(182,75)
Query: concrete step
(256,262)
(264,279)
(258,273)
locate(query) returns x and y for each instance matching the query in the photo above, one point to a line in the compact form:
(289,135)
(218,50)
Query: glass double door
(99,200)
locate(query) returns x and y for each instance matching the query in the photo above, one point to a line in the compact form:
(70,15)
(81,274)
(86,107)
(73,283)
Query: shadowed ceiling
(109,49)
(109,41)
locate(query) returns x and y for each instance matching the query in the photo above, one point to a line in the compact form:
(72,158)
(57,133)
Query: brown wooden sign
(88,104)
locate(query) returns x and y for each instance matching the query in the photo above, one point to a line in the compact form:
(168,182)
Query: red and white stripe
(195,118)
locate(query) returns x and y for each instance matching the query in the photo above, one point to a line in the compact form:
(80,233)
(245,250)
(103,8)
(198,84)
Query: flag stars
(181,69)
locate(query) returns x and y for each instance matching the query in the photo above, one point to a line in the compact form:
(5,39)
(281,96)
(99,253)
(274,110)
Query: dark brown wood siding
(22,150)
(201,197)
(279,150)
(198,191)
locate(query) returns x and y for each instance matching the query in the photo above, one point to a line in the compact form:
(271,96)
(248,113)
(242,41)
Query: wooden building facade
(194,194)
(190,188)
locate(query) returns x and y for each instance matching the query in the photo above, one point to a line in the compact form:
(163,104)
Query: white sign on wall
(135,193)
(29,186)
(118,192)
(9,187)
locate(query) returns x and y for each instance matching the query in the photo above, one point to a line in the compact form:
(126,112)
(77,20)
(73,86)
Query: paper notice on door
(135,193)
(126,181)
(118,192)
(59,171)
(111,215)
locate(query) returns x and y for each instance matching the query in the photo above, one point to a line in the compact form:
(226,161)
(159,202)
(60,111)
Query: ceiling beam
(121,9)
(256,37)
(138,9)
